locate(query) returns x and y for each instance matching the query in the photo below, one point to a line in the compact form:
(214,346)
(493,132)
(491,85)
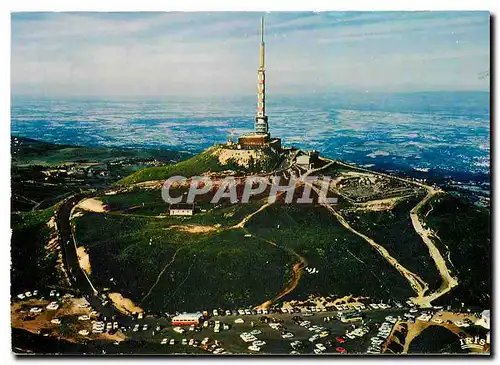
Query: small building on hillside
(181,209)
(187,319)
(256,141)
(308,160)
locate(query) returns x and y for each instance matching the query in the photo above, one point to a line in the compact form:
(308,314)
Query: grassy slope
(219,268)
(207,161)
(393,230)
(32,152)
(31,266)
(317,236)
(195,165)
(466,230)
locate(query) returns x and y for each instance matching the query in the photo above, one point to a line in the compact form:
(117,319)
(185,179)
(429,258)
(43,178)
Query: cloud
(216,53)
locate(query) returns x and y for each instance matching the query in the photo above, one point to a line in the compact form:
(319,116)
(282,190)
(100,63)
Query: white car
(241,312)
(28,294)
(172,341)
(205,341)
(55,321)
(247,337)
(318,351)
(21,296)
(256,332)
(259,343)
(178,329)
(314,338)
(321,346)
(84,317)
(215,312)
(35,310)
(83,332)
(52,306)
(239,320)
(254,348)
(184,341)
(164,341)
(247,311)
(287,335)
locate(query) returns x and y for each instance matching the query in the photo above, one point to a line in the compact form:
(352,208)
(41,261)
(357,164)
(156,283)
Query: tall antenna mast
(261,126)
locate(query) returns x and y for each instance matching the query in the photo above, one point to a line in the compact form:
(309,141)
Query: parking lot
(335,341)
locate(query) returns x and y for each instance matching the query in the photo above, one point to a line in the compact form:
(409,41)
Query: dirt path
(92,205)
(124,305)
(160,275)
(83,259)
(416,282)
(193,228)
(449,282)
(297,270)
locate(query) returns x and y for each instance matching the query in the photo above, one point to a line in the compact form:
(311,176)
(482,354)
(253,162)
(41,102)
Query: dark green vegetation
(205,269)
(207,161)
(29,343)
(465,233)
(32,265)
(394,231)
(193,166)
(28,151)
(340,256)
(221,268)
(436,340)
(44,173)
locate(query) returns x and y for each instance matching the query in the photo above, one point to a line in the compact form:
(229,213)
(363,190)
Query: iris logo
(472,343)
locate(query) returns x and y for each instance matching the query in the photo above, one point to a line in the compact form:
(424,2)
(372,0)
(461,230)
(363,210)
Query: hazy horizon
(156,55)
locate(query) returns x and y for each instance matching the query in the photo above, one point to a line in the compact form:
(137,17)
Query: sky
(181,53)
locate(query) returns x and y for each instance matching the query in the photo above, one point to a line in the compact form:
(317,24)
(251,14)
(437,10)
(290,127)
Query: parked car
(321,346)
